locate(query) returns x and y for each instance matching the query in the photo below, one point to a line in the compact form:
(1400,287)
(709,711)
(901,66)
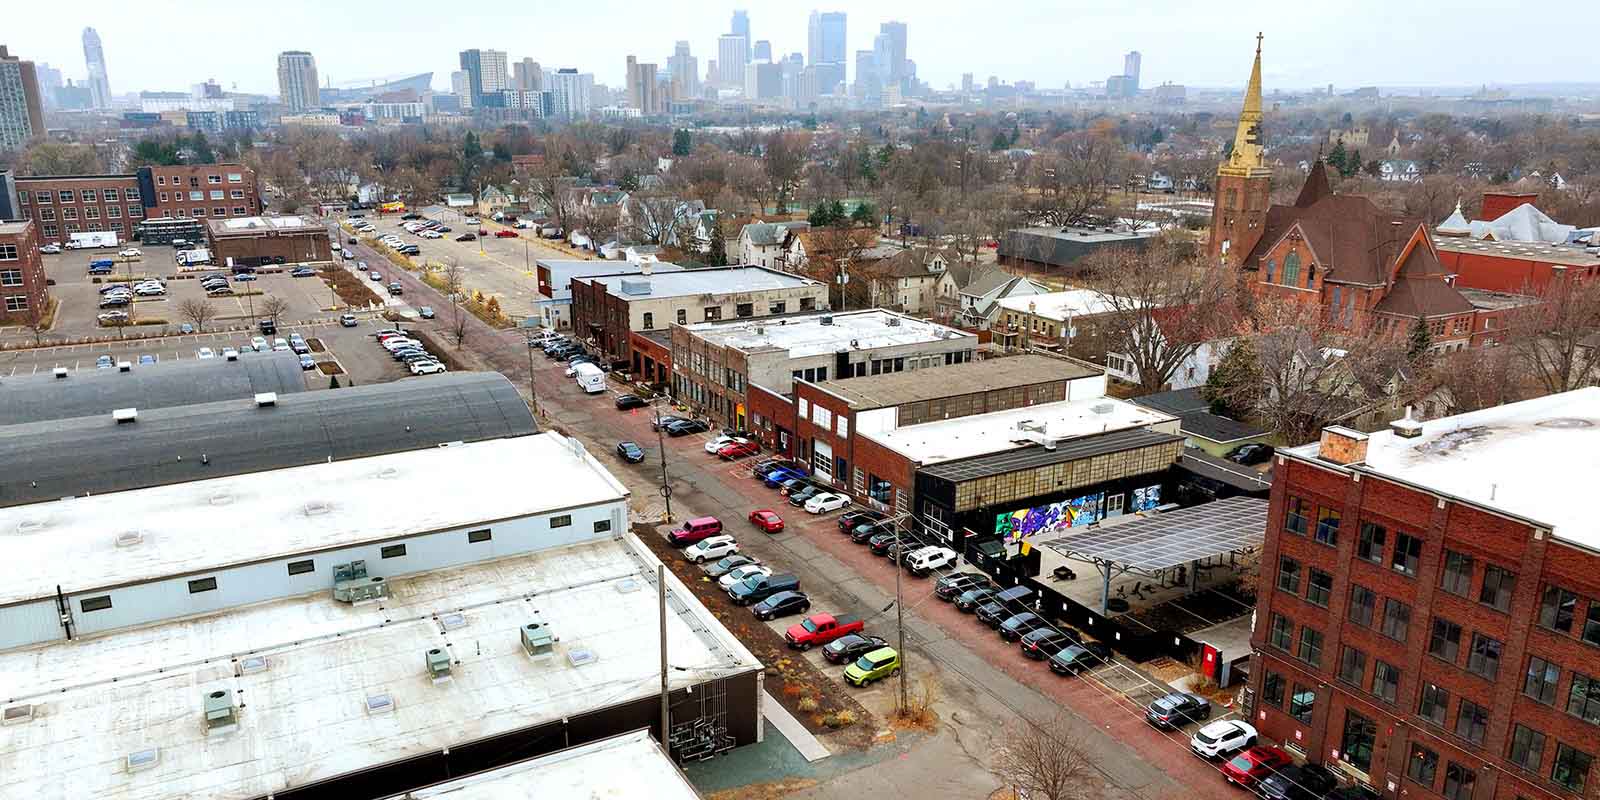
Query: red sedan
(738,448)
(1251,766)
(505,234)
(767,520)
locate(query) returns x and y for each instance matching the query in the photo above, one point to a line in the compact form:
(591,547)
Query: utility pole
(666,713)
(533,392)
(899,611)
(661,448)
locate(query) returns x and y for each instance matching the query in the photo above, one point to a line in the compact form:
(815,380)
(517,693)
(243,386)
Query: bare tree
(657,218)
(274,307)
(599,223)
(452,276)
(782,160)
(200,311)
(1075,179)
(835,252)
(1161,304)
(552,190)
(1470,380)
(1047,761)
(1556,337)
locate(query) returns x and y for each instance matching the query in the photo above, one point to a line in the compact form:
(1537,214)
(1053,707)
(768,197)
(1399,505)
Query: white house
(1193,371)
(764,244)
(1399,169)
(969,295)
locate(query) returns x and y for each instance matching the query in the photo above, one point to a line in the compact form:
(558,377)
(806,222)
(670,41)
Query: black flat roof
(1039,456)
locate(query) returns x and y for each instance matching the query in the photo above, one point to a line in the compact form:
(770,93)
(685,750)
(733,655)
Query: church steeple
(1246,158)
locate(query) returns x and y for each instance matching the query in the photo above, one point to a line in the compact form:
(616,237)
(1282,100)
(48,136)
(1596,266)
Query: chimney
(1343,445)
(1406,428)
(1496,204)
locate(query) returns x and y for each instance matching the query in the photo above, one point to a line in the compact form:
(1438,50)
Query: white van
(590,378)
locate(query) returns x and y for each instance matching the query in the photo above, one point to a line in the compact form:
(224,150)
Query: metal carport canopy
(1171,538)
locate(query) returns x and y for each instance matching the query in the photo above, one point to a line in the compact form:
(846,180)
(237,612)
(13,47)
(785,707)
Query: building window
(214,179)
(234,177)
(1291,269)
(602,525)
(197,212)
(1288,575)
(808,304)
(100,603)
(1456,577)
(561,522)
(1272,269)
(1319,587)
(1302,703)
(219,211)
(1352,665)
(10,277)
(47,215)
(1328,526)
(1423,765)
(48,231)
(474,537)
(1484,658)
(238,211)
(1540,682)
(114,212)
(1557,607)
(1310,646)
(1571,769)
(1583,699)
(393,551)
(161,180)
(1591,624)
(127,194)
(1363,605)
(302,567)
(1272,690)
(90,195)
(1435,703)
(1527,748)
(1396,619)
(91,212)
(16,302)
(1498,584)
(713,313)
(8,251)
(1472,721)
(1295,516)
(744,310)
(1280,632)
(194,180)
(1407,554)
(69,213)
(1445,640)
(777,307)
(649,321)
(1458,782)
(236,194)
(65,195)
(683,316)
(1385,680)
(136,212)
(202,585)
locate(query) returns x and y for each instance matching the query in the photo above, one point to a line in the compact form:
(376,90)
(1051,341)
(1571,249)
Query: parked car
(409,250)
(303,272)
(505,234)
(767,520)
(1250,454)
(825,502)
(737,449)
(627,401)
(113,317)
(50,249)
(1222,738)
(850,519)
(1017,626)
(1040,644)
(205,352)
(876,665)
(1176,710)
(686,427)
(850,647)
(949,587)
(1297,782)
(347,320)
(783,476)
(630,452)
(280,345)
(232,354)
(756,588)
(396,289)
(661,422)
(740,573)
(863,533)
(469,236)
(927,559)
(186,328)
(881,541)
(711,547)
(727,564)
(307,362)
(820,629)
(131,252)
(245,277)
(427,367)
(104,362)
(973,599)
(1078,657)
(1248,768)
(800,494)
(694,530)
(782,604)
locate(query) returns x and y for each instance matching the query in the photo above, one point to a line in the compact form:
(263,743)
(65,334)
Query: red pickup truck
(820,629)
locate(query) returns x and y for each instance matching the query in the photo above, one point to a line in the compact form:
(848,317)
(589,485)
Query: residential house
(908,280)
(1399,169)
(1213,434)
(829,243)
(969,295)
(764,244)
(494,200)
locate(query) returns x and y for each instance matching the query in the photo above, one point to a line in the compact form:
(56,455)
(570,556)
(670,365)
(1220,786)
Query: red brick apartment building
(22,283)
(67,204)
(1428,618)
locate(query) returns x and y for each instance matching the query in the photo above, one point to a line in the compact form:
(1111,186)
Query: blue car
(776,477)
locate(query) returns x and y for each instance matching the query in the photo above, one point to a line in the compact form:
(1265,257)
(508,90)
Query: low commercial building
(24,289)
(629,765)
(607,309)
(1428,609)
(1060,249)
(366,627)
(257,241)
(715,364)
(1519,267)
(67,204)
(555,283)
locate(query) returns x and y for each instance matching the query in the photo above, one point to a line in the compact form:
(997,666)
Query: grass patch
(352,291)
(149,321)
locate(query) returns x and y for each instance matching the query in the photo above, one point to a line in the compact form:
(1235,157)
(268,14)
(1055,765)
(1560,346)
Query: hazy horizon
(1364,44)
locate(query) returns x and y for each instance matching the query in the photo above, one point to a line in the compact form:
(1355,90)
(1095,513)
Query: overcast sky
(158,44)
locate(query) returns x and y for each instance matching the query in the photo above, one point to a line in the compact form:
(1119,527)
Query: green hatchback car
(883,662)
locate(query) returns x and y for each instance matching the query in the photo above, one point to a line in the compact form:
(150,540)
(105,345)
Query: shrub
(807,704)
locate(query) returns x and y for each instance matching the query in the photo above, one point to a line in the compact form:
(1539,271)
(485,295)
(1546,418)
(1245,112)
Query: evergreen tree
(826,214)
(203,154)
(502,152)
(718,253)
(864,214)
(1234,385)
(1421,342)
(1001,141)
(836,210)
(1352,165)
(682,142)
(471,148)
(1337,156)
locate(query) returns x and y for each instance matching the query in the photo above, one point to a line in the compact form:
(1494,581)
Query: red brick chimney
(1496,204)
(1343,445)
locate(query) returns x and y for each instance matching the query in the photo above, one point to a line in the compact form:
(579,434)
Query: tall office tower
(685,71)
(825,38)
(741,27)
(733,52)
(643,92)
(571,93)
(890,46)
(95,58)
(966,83)
(526,76)
(297,81)
(763,51)
(21,108)
(869,82)
(461,87)
(487,71)
(49,81)
(1130,68)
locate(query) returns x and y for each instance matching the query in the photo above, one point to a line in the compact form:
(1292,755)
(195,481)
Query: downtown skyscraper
(21,107)
(297,81)
(825,51)
(486,74)
(94,58)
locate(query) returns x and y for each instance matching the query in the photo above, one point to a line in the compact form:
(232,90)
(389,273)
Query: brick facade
(1335,585)
(67,204)
(23,287)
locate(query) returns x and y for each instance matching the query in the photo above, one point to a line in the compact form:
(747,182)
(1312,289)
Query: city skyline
(1181,53)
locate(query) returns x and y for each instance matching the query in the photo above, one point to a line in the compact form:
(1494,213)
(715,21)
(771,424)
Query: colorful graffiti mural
(1146,499)
(1055,517)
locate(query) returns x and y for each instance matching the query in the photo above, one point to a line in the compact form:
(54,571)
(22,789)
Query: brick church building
(1365,268)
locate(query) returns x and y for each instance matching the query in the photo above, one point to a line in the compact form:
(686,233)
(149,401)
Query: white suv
(711,547)
(1222,738)
(930,558)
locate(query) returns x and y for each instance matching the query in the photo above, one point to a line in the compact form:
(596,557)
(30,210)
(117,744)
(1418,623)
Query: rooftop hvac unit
(220,714)
(130,538)
(437,662)
(352,585)
(1102,408)
(59,372)
(635,287)
(122,415)
(893,322)
(537,640)
(379,704)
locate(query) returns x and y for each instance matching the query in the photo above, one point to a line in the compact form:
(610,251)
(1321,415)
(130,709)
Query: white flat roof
(304,718)
(246,223)
(982,434)
(1059,305)
(712,280)
(630,765)
(1536,460)
(806,336)
(202,525)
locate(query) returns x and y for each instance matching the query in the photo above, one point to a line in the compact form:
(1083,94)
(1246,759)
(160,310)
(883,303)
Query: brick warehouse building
(1428,618)
(66,204)
(254,241)
(23,288)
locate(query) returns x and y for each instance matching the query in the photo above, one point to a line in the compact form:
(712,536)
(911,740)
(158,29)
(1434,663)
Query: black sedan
(950,587)
(1042,643)
(686,427)
(881,542)
(799,496)
(1250,454)
(972,599)
(627,401)
(846,649)
(1298,782)
(992,613)
(1019,625)
(664,420)
(1079,657)
(782,604)
(466,237)
(630,452)
(863,533)
(1176,710)
(850,519)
